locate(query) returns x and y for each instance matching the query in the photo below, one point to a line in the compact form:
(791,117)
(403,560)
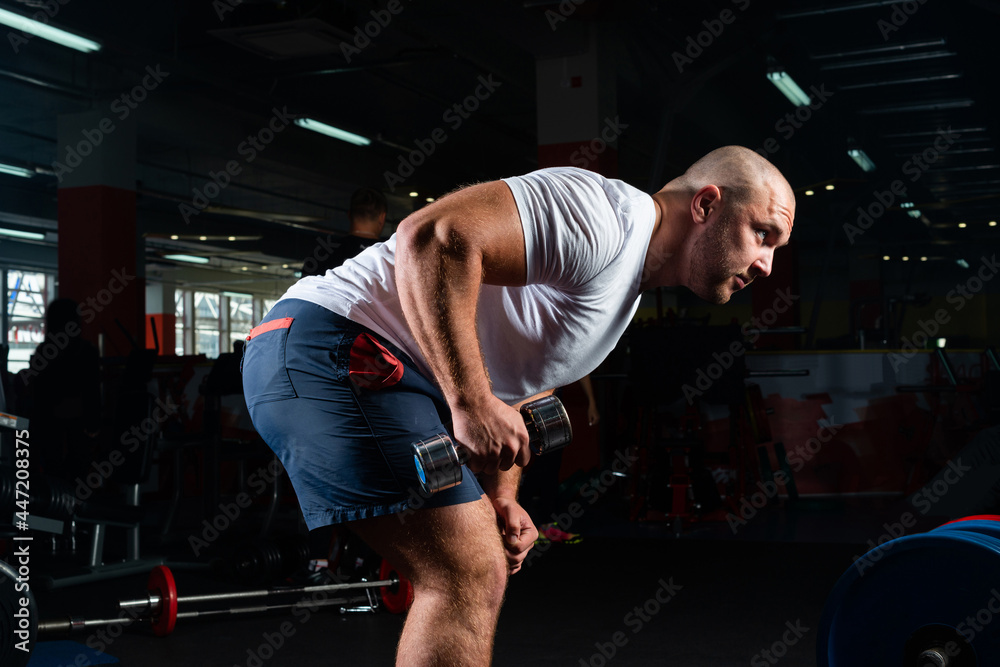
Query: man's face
(738,246)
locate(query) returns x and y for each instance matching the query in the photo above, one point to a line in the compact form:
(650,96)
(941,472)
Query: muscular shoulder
(575,222)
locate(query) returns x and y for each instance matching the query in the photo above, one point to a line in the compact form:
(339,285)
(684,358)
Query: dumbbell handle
(437,460)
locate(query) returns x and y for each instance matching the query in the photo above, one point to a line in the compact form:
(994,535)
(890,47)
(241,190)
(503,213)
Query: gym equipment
(398,597)
(162,606)
(439,466)
(920,600)
(263,561)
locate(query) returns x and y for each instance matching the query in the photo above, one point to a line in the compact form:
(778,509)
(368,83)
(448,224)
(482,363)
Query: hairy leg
(455,558)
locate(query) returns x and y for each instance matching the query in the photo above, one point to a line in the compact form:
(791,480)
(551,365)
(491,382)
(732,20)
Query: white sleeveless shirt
(586,239)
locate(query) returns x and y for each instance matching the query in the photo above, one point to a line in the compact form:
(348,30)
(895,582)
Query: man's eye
(762,233)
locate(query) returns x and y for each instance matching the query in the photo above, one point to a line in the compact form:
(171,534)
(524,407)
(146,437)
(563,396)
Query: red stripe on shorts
(283,323)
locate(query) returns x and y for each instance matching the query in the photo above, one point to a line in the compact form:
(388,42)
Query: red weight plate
(398,598)
(976,517)
(161,583)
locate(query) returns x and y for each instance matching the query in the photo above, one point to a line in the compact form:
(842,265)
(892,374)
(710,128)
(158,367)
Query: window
(240,318)
(207,324)
(181,326)
(210,323)
(28,294)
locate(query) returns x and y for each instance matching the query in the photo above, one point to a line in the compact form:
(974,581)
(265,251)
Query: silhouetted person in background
(61,394)
(367,216)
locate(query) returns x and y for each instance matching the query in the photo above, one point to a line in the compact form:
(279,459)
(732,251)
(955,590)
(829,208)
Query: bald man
(481,301)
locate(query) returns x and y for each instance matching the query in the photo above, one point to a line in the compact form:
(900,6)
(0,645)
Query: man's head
(367,212)
(739,210)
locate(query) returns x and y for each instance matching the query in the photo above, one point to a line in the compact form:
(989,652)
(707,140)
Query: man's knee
(480,575)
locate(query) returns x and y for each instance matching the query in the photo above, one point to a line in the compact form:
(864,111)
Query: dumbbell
(437,460)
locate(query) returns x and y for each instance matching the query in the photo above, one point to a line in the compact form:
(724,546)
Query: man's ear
(704,202)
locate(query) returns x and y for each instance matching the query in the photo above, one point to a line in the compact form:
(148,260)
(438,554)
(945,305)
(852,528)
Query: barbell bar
(162,606)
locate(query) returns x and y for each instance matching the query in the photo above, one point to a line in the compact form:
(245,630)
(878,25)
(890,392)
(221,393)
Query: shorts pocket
(265,376)
(372,365)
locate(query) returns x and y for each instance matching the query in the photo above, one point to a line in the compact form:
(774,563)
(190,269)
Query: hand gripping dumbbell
(439,466)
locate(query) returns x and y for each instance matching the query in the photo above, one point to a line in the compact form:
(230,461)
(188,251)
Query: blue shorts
(341,407)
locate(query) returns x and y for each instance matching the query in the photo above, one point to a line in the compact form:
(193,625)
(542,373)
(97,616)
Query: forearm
(503,484)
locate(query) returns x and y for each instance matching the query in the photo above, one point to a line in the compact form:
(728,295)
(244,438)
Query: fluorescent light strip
(16,171)
(193,259)
(17,234)
(38,29)
(788,87)
(331,131)
(862,159)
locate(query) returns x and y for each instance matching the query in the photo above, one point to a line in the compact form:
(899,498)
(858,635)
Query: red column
(95,164)
(578,124)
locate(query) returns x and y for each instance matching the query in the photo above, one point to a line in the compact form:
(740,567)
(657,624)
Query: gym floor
(633,592)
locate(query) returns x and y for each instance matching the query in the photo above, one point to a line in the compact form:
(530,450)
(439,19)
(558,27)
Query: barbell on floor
(927,600)
(162,606)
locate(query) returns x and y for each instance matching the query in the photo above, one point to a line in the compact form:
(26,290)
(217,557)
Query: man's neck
(661,265)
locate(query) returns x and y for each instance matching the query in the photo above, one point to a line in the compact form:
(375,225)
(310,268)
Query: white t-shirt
(586,238)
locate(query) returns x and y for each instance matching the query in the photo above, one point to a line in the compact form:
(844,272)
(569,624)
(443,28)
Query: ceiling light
(915,214)
(829,187)
(885,257)
(16,171)
(243,268)
(17,234)
(906,258)
(414,194)
(923,259)
(962,225)
(809,193)
(962,263)
(993,223)
(788,87)
(284,266)
(264,267)
(907,204)
(202,238)
(174,237)
(193,259)
(862,159)
(38,29)
(232,238)
(331,131)
(429,200)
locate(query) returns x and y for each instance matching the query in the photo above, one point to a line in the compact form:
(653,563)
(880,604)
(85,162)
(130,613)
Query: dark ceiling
(888,78)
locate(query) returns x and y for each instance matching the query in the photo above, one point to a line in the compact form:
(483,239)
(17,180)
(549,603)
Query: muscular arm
(444,254)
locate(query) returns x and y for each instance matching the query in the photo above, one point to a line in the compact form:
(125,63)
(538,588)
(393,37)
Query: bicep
(480,223)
